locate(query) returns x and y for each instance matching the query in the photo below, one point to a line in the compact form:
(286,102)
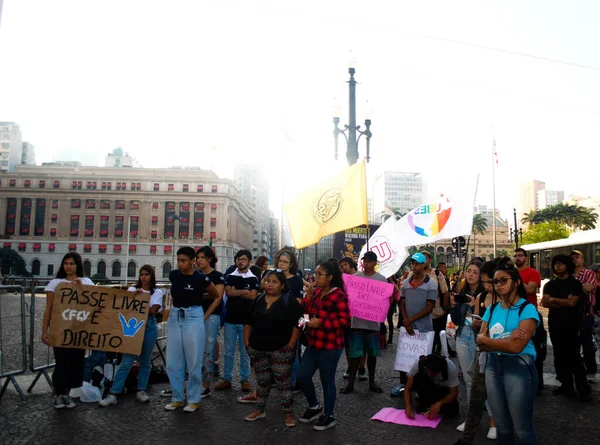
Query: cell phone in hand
(462,298)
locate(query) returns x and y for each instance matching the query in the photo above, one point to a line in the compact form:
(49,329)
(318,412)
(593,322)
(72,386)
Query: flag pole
(494,161)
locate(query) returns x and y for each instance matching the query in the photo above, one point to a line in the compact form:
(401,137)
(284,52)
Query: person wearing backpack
(271,334)
(510,376)
(564,297)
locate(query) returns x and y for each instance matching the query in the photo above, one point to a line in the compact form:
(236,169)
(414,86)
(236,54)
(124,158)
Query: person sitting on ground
(435,380)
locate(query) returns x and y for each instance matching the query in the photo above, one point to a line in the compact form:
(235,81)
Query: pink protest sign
(398,416)
(368,299)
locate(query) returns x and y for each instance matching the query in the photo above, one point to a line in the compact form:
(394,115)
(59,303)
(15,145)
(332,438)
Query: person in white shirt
(68,372)
(146,283)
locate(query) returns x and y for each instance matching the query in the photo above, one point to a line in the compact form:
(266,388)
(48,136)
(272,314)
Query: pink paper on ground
(398,416)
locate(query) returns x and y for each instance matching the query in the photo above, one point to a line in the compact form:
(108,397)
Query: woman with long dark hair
(511,376)
(68,372)
(271,335)
(287,262)
(146,284)
(328,312)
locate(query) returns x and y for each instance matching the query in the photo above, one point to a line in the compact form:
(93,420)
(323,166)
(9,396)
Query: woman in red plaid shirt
(327,308)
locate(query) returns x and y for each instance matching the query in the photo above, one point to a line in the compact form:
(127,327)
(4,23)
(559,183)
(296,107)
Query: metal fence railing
(13,338)
(41,356)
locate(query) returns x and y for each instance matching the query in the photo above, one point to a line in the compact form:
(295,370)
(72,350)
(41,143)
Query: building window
(117,248)
(186,187)
(120,205)
(56,184)
(133,226)
(12,183)
(101,269)
(132,248)
(90,203)
(51,247)
(72,247)
(168,249)
(116,269)
(213,207)
(55,203)
(105,204)
(53,217)
(53,232)
(153,250)
(87,248)
(134,205)
(87,267)
(74,231)
(27,184)
(22,247)
(155,220)
(41,184)
(35,267)
(103,226)
(213,222)
(74,185)
(155,206)
(198,235)
(166,270)
(89,226)
(171,187)
(156,187)
(215,188)
(131,268)
(75,203)
(213,235)
(101,249)
(200,188)
(119,186)
(109,186)
(154,234)
(37,247)
(118,227)
(50,269)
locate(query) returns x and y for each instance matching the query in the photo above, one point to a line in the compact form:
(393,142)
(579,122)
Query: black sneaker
(324,423)
(205,393)
(310,415)
(166,393)
(68,401)
(59,403)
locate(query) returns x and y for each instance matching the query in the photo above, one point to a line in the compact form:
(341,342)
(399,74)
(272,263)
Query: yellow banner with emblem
(337,204)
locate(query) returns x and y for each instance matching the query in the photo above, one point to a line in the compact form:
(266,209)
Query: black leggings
(68,372)
(390,322)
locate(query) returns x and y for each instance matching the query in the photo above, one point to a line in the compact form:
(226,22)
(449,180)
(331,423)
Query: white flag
(387,244)
(448,215)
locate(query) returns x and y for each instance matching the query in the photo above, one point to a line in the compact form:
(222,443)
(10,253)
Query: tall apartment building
(11,146)
(252,184)
(28,154)
(119,219)
(397,190)
(547,198)
(528,196)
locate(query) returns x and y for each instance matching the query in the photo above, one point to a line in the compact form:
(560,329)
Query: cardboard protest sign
(96,317)
(368,299)
(411,347)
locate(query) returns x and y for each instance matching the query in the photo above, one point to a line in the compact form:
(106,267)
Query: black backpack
(540,336)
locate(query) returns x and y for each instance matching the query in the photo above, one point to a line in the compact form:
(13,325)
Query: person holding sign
(435,380)
(271,334)
(510,375)
(364,334)
(146,283)
(68,372)
(187,333)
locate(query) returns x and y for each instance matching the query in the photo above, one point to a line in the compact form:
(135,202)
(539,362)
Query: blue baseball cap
(419,258)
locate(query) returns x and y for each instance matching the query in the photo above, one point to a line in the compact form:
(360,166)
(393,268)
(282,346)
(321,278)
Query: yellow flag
(337,204)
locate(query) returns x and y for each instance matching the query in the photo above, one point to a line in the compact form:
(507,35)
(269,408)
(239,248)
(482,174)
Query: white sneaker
(191,407)
(492,434)
(141,396)
(461,427)
(108,400)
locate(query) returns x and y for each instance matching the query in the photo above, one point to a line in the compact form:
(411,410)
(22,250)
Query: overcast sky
(216,83)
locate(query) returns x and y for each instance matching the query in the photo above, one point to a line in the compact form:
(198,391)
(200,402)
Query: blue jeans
(326,362)
(185,350)
(512,383)
(465,350)
(213,324)
(232,333)
(145,359)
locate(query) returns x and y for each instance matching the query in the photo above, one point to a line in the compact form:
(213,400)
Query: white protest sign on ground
(411,347)
(368,299)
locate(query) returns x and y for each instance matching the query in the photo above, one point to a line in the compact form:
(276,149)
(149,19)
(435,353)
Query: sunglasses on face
(500,281)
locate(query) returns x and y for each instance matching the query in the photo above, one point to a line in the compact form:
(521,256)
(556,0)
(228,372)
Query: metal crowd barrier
(161,341)
(41,356)
(13,337)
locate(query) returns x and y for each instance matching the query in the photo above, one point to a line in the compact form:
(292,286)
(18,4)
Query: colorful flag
(387,243)
(337,204)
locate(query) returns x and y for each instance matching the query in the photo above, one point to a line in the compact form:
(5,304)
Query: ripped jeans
(212,324)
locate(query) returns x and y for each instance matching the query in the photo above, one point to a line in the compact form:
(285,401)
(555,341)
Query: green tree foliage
(570,215)
(12,263)
(545,231)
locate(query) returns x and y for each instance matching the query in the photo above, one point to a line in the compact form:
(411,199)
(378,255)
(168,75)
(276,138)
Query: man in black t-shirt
(241,287)
(564,297)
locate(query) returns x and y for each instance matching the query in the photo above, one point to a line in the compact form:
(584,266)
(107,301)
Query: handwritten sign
(368,299)
(411,347)
(96,317)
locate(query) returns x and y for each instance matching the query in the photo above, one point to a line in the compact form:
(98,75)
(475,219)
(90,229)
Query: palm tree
(571,215)
(479,226)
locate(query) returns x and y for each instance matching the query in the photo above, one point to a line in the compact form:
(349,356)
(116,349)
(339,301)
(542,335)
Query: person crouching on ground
(271,335)
(435,380)
(146,283)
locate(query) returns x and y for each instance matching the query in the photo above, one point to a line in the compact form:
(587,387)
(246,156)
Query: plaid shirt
(587,276)
(334,313)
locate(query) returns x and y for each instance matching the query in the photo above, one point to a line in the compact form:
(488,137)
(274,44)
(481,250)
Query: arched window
(87,268)
(131,268)
(35,267)
(101,268)
(166,270)
(116,269)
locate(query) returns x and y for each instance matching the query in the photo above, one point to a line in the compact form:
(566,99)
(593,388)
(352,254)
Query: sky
(212,84)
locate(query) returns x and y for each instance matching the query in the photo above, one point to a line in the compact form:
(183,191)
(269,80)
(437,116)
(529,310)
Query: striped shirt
(587,276)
